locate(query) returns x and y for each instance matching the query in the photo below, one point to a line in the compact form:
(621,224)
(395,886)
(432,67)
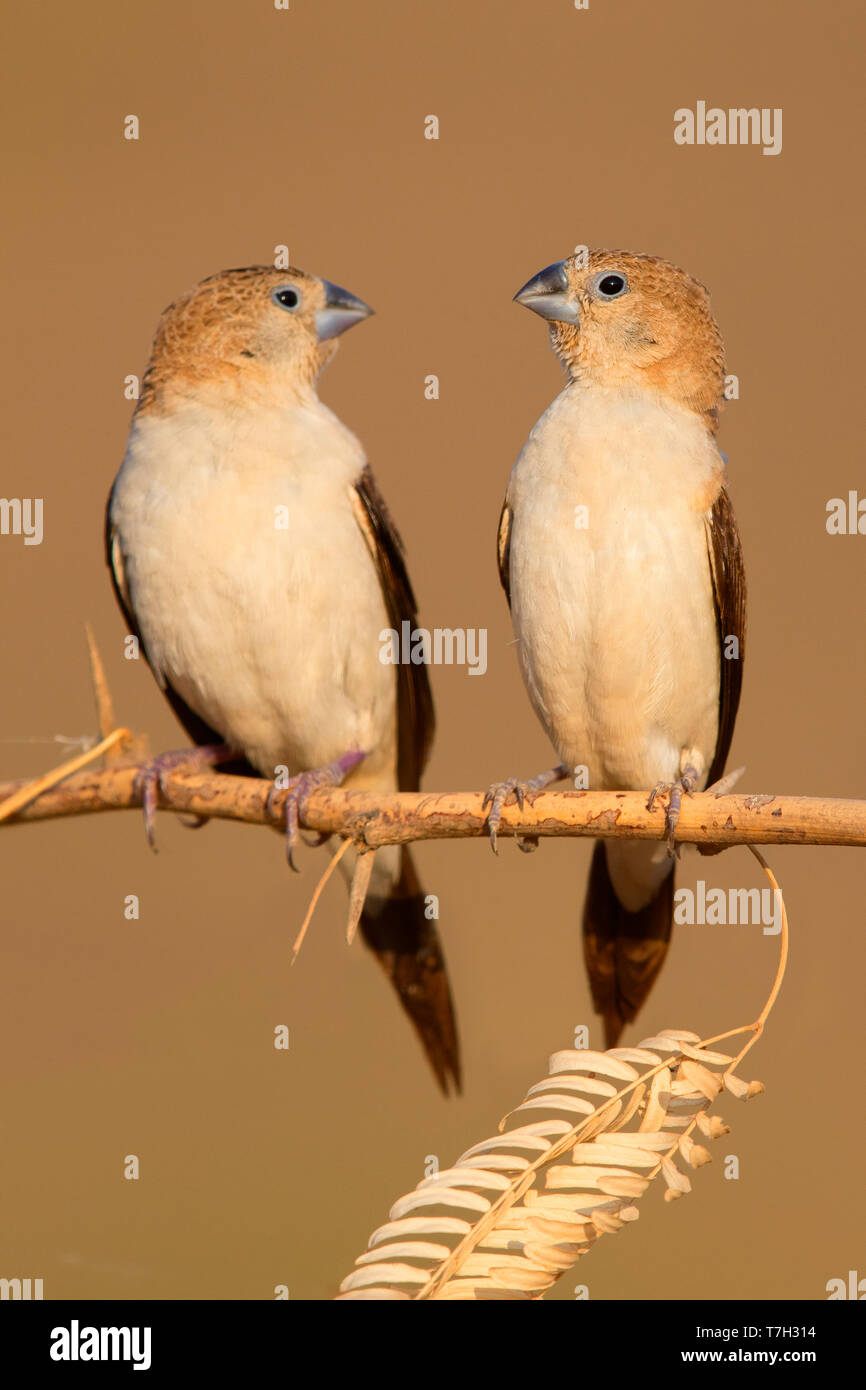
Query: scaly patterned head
(628,321)
(256,334)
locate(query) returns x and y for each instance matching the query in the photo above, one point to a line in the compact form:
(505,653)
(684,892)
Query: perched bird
(620,558)
(253,556)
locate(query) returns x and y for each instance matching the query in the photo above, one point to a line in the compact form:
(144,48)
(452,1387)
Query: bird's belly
(618,640)
(270,635)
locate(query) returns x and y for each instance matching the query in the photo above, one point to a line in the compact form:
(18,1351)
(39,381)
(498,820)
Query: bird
(254,558)
(621,562)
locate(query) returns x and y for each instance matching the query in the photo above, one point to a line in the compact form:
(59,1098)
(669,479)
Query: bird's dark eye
(286,298)
(610,286)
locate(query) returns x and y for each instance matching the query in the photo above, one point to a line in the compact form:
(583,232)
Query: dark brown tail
(624,951)
(407,946)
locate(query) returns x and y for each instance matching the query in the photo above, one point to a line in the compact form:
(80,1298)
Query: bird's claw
(299,788)
(497,796)
(686,784)
(149,781)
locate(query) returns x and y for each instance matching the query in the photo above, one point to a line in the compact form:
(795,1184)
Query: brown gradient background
(155,1037)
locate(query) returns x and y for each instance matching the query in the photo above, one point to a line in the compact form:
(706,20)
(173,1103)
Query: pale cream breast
(611,587)
(253,586)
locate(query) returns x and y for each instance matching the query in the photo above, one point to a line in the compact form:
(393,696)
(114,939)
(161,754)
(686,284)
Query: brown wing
(405,943)
(729,589)
(503,549)
(415,718)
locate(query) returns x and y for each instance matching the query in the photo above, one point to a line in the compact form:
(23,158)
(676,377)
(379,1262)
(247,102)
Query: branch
(373,818)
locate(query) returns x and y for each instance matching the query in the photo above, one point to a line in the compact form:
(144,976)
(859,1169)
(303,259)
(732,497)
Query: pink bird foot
(300,787)
(687,784)
(500,793)
(149,783)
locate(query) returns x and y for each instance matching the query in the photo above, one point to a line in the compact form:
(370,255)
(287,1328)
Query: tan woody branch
(374,819)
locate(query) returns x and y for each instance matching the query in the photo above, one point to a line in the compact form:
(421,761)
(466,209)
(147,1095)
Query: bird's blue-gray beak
(547,294)
(340,312)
